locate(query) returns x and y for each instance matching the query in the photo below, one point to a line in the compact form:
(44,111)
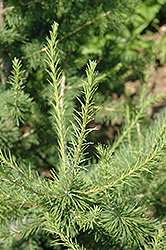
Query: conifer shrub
(110,32)
(113,200)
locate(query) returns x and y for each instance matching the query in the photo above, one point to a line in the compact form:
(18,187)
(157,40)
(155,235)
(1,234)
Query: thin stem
(85,24)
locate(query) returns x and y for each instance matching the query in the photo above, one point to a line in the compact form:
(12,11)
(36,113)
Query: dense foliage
(114,198)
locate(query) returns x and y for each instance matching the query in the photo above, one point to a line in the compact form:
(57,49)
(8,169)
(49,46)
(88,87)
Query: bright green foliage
(115,202)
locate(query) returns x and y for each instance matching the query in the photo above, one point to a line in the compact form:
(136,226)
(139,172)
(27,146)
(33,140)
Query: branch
(85,24)
(153,152)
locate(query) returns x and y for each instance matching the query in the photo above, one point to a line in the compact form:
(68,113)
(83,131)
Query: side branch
(153,152)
